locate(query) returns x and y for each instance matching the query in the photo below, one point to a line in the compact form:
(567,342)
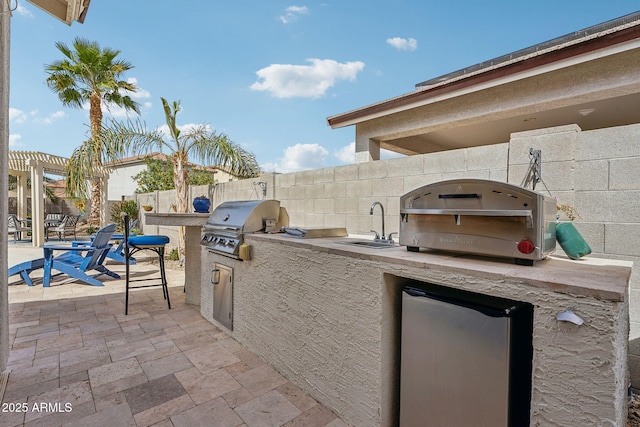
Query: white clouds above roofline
(305,81)
(402,43)
(292,13)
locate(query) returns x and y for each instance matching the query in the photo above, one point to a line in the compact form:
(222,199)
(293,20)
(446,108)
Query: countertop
(606,279)
(177,219)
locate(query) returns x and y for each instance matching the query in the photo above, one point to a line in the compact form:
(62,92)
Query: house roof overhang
(65,10)
(606,39)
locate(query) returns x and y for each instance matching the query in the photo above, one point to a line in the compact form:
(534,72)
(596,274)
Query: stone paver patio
(77,360)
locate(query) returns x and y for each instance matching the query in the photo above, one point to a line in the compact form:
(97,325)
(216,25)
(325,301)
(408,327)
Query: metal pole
(5,21)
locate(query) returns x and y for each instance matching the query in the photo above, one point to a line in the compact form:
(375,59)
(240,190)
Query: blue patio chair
(75,262)
(133,244)
(117,252)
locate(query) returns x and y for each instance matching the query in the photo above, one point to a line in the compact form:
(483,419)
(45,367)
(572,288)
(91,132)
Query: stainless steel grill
(479,217)
(223,232)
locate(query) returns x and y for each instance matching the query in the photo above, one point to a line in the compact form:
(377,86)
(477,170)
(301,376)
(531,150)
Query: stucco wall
(597,172)
(329,323)
(121,181)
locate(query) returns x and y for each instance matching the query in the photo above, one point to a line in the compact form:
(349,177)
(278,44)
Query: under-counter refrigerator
(465,359)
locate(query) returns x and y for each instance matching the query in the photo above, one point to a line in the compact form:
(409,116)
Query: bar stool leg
(163,276)
(126,294)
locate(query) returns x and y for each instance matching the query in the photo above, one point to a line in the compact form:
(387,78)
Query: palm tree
(90,74)
(204,144)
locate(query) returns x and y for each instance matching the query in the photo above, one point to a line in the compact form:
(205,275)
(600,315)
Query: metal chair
(133,244)
(68,225)
(52,220)
(17,227)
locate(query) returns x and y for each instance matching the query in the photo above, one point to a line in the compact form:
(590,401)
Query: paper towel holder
(569,316)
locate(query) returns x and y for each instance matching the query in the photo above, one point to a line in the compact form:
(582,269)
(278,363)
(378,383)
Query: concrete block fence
(597,172)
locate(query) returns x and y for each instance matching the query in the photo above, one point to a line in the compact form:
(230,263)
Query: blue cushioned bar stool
(135,244)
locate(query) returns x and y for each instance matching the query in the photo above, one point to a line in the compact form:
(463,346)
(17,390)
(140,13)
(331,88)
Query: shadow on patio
(77,360)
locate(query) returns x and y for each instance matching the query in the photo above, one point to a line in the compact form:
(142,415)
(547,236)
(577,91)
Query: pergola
(25,164)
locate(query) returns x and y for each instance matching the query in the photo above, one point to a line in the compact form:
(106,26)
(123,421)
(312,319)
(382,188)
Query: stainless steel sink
(368,244)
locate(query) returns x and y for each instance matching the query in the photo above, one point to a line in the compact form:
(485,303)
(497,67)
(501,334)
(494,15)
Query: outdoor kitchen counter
(596,277)
(193,223)
(327,316)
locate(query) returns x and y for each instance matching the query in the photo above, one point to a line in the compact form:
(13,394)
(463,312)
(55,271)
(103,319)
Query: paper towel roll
(245,252)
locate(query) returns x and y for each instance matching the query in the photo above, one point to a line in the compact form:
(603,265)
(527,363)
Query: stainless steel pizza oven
(223,232)
(479,217)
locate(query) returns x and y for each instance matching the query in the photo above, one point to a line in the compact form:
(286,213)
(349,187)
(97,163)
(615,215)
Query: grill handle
(215,276)
(476,212)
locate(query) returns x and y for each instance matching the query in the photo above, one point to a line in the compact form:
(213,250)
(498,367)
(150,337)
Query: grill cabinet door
(222,279)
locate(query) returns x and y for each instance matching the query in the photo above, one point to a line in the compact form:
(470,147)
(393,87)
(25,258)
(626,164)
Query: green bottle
(571,241)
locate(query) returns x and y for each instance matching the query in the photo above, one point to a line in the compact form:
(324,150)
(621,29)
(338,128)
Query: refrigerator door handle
(488,311)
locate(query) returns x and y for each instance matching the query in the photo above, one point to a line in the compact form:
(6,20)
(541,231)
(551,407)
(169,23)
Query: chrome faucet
(373,205)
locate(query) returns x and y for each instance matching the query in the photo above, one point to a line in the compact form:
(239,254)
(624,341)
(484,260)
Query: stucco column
(367,149)
(37,202)
(22,193)
(5,21)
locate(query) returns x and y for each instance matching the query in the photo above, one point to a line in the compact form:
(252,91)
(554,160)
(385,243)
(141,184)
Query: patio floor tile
(210,357)
(203,388)
(270,409)
(214,413)
(153,393)
(260,380)
(72,344)
(170,364)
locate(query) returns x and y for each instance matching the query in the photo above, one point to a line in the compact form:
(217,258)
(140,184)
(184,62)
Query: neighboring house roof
(438,106)
(128,161)
(57,187)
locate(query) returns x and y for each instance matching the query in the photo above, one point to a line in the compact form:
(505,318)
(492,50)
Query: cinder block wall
(341,196)
(597,172)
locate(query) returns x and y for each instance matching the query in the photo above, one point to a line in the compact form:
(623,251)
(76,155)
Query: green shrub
(130,207)
(174,255)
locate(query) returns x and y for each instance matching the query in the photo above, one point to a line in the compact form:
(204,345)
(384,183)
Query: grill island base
(326,315)
(193,223)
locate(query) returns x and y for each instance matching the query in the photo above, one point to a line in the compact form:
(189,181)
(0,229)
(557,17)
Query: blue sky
(268,74)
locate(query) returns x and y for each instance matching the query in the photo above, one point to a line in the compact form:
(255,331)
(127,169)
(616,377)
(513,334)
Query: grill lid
(242,216)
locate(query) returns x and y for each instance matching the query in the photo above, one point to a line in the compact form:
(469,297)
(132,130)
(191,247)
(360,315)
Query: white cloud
(138,94)
(17,116)
(403,44)
(292,13)
(120,112)
(23,11)
(53,117)
(346,154)
(183,128)
(298,158)
(14,140)
(305,81)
